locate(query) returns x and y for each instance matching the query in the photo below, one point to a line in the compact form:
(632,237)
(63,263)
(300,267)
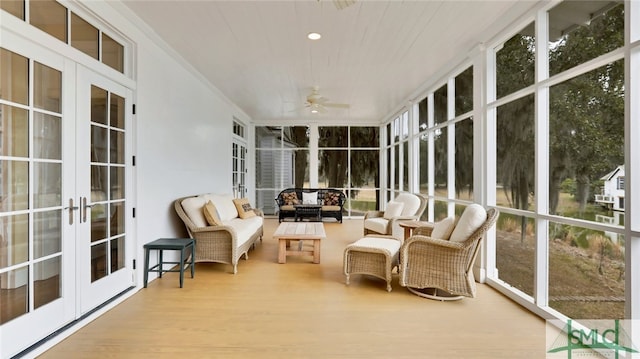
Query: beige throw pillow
(244,208)
(211,214)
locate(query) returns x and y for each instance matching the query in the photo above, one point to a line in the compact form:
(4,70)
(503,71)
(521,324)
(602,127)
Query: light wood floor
(303,310)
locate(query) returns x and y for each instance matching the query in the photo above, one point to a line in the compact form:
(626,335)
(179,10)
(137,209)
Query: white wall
(182,135)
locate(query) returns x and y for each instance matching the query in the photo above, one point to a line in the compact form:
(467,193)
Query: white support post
(541,274)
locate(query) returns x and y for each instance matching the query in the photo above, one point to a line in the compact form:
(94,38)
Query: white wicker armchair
(382,222)
(443,269)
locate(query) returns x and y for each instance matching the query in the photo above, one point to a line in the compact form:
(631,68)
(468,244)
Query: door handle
(84,206)
(71,208)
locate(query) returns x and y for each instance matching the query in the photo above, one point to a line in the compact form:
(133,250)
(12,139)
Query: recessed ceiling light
(314,36)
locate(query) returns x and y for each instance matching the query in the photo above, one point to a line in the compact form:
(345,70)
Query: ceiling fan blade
(336,105)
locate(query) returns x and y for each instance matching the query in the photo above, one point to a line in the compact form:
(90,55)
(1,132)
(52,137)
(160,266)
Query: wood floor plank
(303,310)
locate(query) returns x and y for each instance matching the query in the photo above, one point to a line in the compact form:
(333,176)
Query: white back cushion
(224,204)
(472,218)
(443,228)
(393,209)
(411,203)
(192,206)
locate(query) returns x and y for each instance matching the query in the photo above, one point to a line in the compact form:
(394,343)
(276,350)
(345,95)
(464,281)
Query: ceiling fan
(319,104)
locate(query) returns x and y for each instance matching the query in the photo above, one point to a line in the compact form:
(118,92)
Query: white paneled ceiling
(373,55)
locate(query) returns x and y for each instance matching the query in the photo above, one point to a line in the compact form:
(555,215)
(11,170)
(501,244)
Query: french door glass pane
(117,146)
(98,222)
(84,36)
(16,246)
(117,219)
(15,131)
(47,136)
(47,90)
(98,261)
(117,182)
(98,105)
(47,233)
(98,144)
(15,185)
(15,295)
(47,285)
(116,116)
(117,254)
(14,77)
(47,185)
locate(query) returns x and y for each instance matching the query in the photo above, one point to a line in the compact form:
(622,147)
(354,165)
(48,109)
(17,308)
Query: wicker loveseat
(331,199)
(223,243)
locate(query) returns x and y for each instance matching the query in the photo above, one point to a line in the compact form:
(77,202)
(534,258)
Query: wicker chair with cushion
(405,207)
(442,269)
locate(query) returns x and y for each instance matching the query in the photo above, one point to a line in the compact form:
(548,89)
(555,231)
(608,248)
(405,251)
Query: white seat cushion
(390,245)
(443,228)
(472,218)
(245,228)
(377,224)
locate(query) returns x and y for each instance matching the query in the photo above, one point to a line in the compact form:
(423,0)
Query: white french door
(105,246)
(65,210)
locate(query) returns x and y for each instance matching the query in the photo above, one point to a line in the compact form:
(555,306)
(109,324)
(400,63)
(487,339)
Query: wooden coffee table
(288,231)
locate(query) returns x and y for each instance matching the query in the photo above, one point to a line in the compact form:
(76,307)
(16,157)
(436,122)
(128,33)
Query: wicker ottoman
(372,255)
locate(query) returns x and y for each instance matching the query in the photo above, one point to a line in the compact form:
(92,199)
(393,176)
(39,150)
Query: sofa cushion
(331,199)
(224,204)
(411,203)
(287,207)
(244,208)
(245,228)
(472,218)
(393,209)
(377,224)
(290,198)
(443,228)
(192,206)
(331,208)
(211,214)
(309,197)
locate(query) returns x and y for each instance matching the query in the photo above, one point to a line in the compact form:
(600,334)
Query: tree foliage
(586,113)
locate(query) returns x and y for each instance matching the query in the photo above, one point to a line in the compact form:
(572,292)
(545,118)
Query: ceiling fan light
(314,36)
